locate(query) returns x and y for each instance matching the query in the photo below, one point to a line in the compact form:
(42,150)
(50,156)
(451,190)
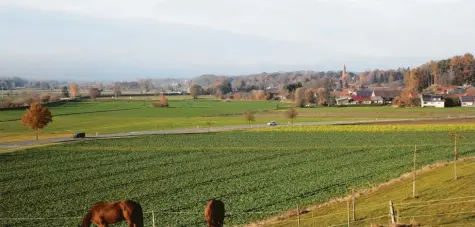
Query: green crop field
(257,173)
(112,116)
(122,116)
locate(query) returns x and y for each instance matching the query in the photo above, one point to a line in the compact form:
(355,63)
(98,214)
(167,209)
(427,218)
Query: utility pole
(2,92)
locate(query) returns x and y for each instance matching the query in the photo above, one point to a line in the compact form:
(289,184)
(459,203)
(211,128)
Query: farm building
(432,101)
(363,93)
(343,100)
(377,99)
(362,99)
(385,96)
(467,101)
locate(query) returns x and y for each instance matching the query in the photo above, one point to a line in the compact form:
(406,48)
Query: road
(21,144)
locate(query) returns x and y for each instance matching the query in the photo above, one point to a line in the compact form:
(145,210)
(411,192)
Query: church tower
(344,74)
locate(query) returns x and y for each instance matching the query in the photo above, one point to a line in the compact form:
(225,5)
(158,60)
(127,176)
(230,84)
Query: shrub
(6,104)
(163,101)
(44,98)
(237,96)
(452,102)
(53,98)
(416,102)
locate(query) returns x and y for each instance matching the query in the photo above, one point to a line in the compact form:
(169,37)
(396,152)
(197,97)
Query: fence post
(298,216)
(455,159)
(353,201)
(391,211)
(348,209)
(313,220)
(397,216)
(153,219)
(414,174)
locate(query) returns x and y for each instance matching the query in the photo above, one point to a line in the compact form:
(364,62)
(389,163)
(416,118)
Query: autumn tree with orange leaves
(405,98)
(163,101)
(73,90)
(36,117)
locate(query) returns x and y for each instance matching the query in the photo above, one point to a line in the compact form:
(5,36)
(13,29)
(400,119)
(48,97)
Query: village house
(343,100)
(362,97)
(467,101)
(384,96)
(432,101)
(456,91)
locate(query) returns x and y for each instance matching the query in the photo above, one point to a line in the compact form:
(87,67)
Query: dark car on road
(79,135)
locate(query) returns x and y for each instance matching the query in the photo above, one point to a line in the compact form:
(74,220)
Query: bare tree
(65,91)
(94,93)
(291,114)
(209,122)
(195,91)
(249,117)
(323,95)
(117,91)
(300,97)
(309,96)
(145,85)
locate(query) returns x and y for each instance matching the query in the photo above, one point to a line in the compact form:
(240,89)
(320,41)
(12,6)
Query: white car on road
(271,123)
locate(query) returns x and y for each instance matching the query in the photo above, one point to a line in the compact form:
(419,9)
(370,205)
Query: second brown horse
(103,214)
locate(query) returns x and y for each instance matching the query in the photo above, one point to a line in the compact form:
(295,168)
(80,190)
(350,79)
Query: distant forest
(457,70)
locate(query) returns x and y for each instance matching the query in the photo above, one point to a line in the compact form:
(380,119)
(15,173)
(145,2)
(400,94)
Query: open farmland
(121,116)
(108,116)
(440,201)
(257,173)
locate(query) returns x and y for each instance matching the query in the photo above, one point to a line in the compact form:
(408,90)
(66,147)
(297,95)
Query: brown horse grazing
(103,214)
(214,213)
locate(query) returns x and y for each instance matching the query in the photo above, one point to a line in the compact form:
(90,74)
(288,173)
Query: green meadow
(107,116)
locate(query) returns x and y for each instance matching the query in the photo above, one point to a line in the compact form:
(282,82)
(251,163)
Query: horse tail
(86,220)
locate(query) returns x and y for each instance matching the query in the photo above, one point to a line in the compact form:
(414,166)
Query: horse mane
(214,213)
(137,214)
(86,220)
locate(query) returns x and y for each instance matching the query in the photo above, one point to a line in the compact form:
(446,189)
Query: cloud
(251,32)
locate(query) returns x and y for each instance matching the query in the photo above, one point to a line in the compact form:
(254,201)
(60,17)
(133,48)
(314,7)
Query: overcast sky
(126,39)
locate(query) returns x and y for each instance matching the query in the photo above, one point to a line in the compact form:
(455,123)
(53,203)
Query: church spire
(344,74)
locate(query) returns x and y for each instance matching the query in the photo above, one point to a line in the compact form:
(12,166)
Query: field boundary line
(435,200)
(436,204)
(441,214)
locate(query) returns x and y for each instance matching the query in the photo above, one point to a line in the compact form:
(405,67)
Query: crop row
(375,128)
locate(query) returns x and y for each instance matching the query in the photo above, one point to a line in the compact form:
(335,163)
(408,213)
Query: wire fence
(403,213)
(306,219)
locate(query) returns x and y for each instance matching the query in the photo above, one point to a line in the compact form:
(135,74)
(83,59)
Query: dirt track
(441,121)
